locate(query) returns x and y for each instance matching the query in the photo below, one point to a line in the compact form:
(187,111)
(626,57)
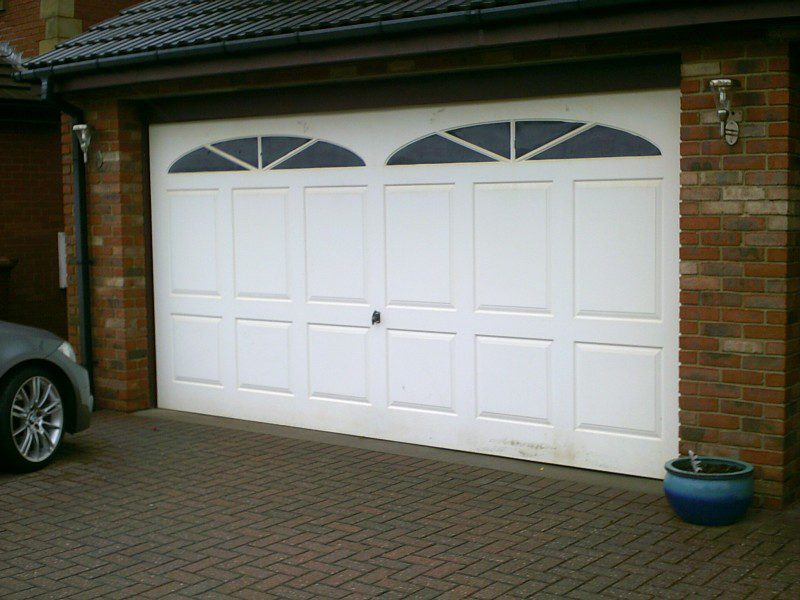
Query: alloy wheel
(37,419)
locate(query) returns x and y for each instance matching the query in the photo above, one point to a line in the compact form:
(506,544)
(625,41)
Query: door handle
(376,317)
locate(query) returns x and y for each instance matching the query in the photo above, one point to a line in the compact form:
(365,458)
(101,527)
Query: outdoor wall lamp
(84,133)
(728,127)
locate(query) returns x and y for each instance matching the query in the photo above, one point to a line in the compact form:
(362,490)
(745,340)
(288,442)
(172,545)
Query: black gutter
(473,17)
(80,226)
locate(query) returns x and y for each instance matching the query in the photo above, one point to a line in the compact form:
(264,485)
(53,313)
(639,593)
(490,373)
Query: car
(43,393)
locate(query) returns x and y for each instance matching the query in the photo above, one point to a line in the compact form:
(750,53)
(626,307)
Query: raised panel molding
(196,349)
(618,389)
(335,244)
(261,267)
(193,243)
(337,363)
(419,254)
(262,356)
(617,244)
(513,379)
(512,247)
(421,370)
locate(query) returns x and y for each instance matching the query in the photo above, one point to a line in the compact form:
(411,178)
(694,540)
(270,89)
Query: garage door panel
(336,267)
(337,363)
(419,261)
(263,350)
(512,247)
(513,379)
(193,243)
(260,243)
(420,370)
(618,389)
(617,241)
(196,342)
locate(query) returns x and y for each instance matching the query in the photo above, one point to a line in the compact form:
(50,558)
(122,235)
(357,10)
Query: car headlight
(67,350)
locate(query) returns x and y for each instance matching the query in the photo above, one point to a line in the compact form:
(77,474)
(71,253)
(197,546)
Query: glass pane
(495,137)
(201,160)
(245,149)
(320,155)
(530,135)
(598,142)
(274,147)
(435,149)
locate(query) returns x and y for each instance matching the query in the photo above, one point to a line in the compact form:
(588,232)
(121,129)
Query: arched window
(520,141)
(266,153)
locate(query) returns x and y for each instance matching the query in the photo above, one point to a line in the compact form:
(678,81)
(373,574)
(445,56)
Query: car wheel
(31,419)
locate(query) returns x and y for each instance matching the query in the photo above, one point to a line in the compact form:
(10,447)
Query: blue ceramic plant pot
(718,495)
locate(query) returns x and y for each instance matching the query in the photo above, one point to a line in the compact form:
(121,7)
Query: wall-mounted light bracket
(728,118)
(84,134)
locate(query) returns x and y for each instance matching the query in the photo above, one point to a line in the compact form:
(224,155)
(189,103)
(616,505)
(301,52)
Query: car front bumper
(79,378)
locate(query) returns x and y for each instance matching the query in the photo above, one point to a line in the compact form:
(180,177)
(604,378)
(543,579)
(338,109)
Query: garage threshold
(630,483)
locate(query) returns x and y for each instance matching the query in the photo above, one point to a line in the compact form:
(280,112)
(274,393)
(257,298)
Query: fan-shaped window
(266,153)
(522,140)
(203,159)
(319,155)
(276,147)
(245,149)
(491,136)
(436,149)
(598,142)
(531,135)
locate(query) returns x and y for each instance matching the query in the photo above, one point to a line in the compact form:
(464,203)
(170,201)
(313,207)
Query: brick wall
(94,11)
(21,26)
(64,19)
(740,266)
(117,248)
(30,180)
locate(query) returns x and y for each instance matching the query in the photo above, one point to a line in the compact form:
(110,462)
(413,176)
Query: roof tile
(181,24)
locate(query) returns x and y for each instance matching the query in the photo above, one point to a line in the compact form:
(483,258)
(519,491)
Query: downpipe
(82,260)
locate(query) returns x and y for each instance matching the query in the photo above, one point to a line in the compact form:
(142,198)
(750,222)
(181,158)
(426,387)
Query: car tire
(31,419)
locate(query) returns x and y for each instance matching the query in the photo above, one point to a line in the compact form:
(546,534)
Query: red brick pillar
(739,265)
(116,209)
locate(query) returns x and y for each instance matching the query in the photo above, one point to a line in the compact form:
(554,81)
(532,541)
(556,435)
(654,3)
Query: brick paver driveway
(143,507)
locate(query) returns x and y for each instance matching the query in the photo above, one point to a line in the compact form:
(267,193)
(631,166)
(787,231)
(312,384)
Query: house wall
(31,216)
(21,26)
(119,300)
(739,270)
(36,26)
(93,11)
(30,179)
(64,19)
(739,324)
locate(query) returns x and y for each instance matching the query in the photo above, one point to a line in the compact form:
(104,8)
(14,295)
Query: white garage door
(522,256)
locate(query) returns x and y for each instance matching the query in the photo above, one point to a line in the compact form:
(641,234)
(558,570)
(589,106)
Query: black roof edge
(426,22)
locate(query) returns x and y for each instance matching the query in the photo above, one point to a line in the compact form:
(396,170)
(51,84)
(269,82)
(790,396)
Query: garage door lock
(376,317)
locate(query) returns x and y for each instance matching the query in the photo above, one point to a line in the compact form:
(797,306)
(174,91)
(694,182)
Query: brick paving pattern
(150,508)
